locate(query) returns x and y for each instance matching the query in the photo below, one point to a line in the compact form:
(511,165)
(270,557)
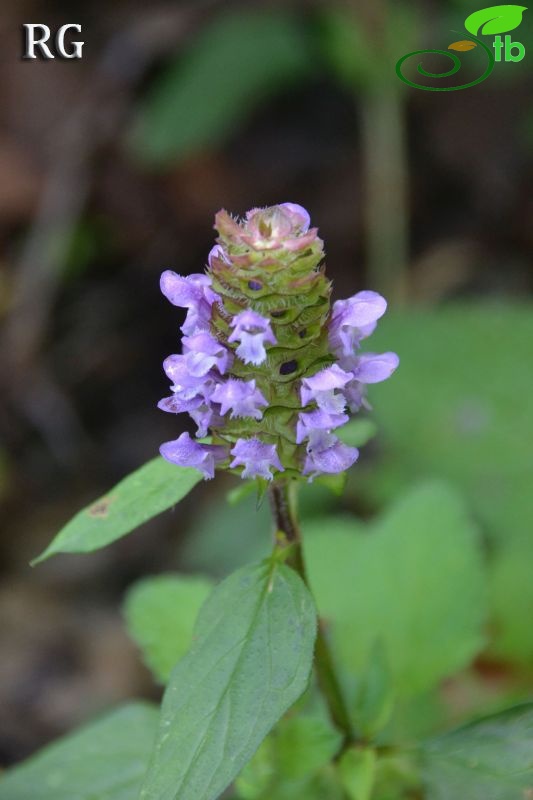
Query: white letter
(31,41)
(60,42)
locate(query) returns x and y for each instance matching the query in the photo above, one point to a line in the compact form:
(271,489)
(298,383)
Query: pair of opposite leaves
(490,21)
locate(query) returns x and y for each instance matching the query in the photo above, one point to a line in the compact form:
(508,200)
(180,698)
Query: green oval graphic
(456,61)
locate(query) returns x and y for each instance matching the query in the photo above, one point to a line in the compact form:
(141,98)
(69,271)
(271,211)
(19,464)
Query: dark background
(111,170)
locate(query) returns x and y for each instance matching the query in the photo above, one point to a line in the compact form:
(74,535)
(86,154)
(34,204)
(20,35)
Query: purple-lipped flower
(252,331)
(269,369)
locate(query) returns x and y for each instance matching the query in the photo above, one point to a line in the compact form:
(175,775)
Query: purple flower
(177,369)
(217,251)
(298,215)
(192,292)
(205,415)
(354,319)
(256,457)
(191,393)
(242,397)
(185,452)
(355,397)
(322,389)
(318,419)
(374,367)
(176,404)
(325,453)
(203,352)
(252,331)
(366,368)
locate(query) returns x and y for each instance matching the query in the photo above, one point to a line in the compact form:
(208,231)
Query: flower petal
(185,452)
(256,457)
(374,368)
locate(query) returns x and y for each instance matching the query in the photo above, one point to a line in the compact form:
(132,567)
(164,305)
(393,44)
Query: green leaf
(488,760)
(412,580)
(357,432)
(511,592)
(289,759)
(357,769)
(459,408)
(259,775)
(105,760)
(304,744)
(496,19)
(148,491)
(160,614)
(460,396)
(334,483)
(223,537)
(250,661)
(241,492)
(231,68)
(374,702)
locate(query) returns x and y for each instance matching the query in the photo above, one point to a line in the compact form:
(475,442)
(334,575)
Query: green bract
(289,288)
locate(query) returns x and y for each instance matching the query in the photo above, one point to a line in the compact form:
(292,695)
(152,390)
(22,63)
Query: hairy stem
(283,504)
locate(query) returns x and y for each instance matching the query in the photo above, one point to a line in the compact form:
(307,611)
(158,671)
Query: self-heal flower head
(252,331)
(269,369)
(257,458)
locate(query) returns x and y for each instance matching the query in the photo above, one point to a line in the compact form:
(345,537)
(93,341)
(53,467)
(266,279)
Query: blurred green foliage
(360,48)
(228,71)
(290,760)
(492,758)
(224,535)
(357,769)
(460,408)
(412,581)
(160,614)
(105,760)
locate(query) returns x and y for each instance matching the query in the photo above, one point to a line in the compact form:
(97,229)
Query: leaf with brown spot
(148,491)
(463,45)
(100,509)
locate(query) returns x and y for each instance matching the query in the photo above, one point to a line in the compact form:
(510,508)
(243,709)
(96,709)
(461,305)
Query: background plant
(261,694)
(80,373)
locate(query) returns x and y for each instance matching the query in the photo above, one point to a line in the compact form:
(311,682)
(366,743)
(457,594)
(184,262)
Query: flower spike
(269,368)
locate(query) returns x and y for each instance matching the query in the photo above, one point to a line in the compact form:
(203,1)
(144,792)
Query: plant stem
(387,225)
(283,504)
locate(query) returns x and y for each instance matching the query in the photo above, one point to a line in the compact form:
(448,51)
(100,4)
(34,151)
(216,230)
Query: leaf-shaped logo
(496,19)
(464,45)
